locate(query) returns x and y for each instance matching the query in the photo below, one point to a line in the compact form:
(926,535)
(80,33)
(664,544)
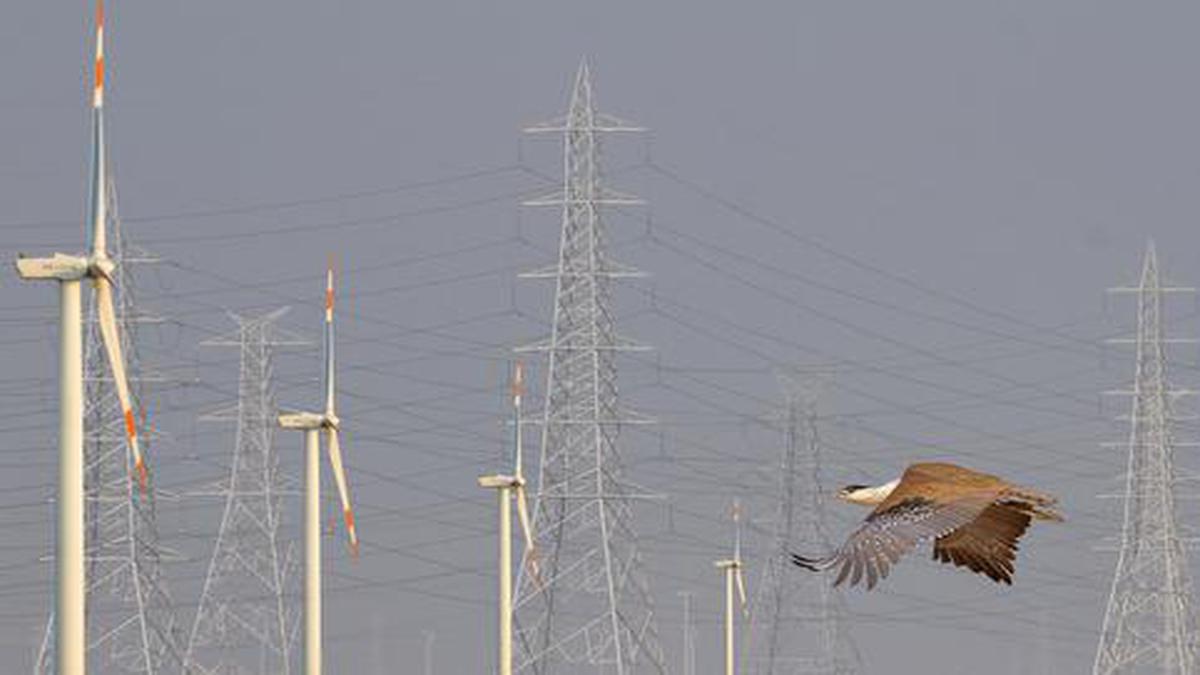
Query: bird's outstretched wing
(988,544)
(890,532)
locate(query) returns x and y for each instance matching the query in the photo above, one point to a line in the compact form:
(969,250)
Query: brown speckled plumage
(974,520)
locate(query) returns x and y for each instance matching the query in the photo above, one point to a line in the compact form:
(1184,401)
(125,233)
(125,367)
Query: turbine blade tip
(143,477)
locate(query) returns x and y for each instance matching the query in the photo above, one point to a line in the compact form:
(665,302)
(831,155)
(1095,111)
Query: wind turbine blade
(98,84)
(116,361)
(523,515)
(329,383)
(737,530)
(741,586)
(518,383)
(518,391)
(98,203)
(531,551)
(339,477)
(526,524)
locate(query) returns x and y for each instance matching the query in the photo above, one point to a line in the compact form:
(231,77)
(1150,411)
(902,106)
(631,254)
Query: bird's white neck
(873,495)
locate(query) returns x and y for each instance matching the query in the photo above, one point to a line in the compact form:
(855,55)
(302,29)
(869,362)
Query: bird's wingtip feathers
(1051,515)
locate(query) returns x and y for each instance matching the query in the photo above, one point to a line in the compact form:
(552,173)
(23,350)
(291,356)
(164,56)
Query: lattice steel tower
(589,607)
(798,621)
(248,617)
(1149,626)
(131,624)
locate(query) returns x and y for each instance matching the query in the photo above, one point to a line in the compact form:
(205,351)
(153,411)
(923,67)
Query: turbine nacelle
(301,420)
(60,266)
(500,480)
(66,267)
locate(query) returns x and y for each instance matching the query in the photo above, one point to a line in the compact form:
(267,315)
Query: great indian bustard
(974,520)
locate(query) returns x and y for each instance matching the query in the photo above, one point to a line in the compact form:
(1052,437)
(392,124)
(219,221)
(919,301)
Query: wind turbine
(311,424)
(505,486)
(69,270)
(732,567)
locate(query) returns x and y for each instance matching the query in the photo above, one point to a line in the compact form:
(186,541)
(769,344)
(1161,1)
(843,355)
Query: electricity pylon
(131,615)
(1149,626)
(113,612)
(589,608)
(798,621)
(689,635)
(248,616)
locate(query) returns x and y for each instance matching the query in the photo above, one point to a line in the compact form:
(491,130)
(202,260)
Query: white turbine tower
(732,567)
(312,424)
(69,270)
(505,486)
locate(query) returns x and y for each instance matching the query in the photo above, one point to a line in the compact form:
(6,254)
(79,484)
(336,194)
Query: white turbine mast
(69,270)
(505,486)
(732,569)
(312,424)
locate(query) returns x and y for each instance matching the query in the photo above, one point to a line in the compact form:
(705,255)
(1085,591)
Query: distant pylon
(1149,626)
(589,609)
(798,622)
(689,635)
(248,616)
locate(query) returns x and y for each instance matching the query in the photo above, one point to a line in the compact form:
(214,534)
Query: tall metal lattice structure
(798,621)
(132,626)
(248,616)
(1149,626)
(589,607)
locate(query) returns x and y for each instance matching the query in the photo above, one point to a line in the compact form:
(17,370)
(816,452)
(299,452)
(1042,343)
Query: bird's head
(850,492)
(869,495)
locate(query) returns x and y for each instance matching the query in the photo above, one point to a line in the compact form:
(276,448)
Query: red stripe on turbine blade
(353,533)
(329,287)
(98,85)
(130,424)
(517,388)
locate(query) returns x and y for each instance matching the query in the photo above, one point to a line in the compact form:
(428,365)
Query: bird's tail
(1037,504)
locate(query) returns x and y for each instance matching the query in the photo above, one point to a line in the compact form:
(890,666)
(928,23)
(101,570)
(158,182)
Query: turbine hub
(101,266)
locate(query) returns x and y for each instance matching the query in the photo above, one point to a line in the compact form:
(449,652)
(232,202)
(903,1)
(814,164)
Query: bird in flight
(974,520)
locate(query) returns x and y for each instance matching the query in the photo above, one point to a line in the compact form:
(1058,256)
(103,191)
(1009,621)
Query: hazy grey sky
(931,195)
